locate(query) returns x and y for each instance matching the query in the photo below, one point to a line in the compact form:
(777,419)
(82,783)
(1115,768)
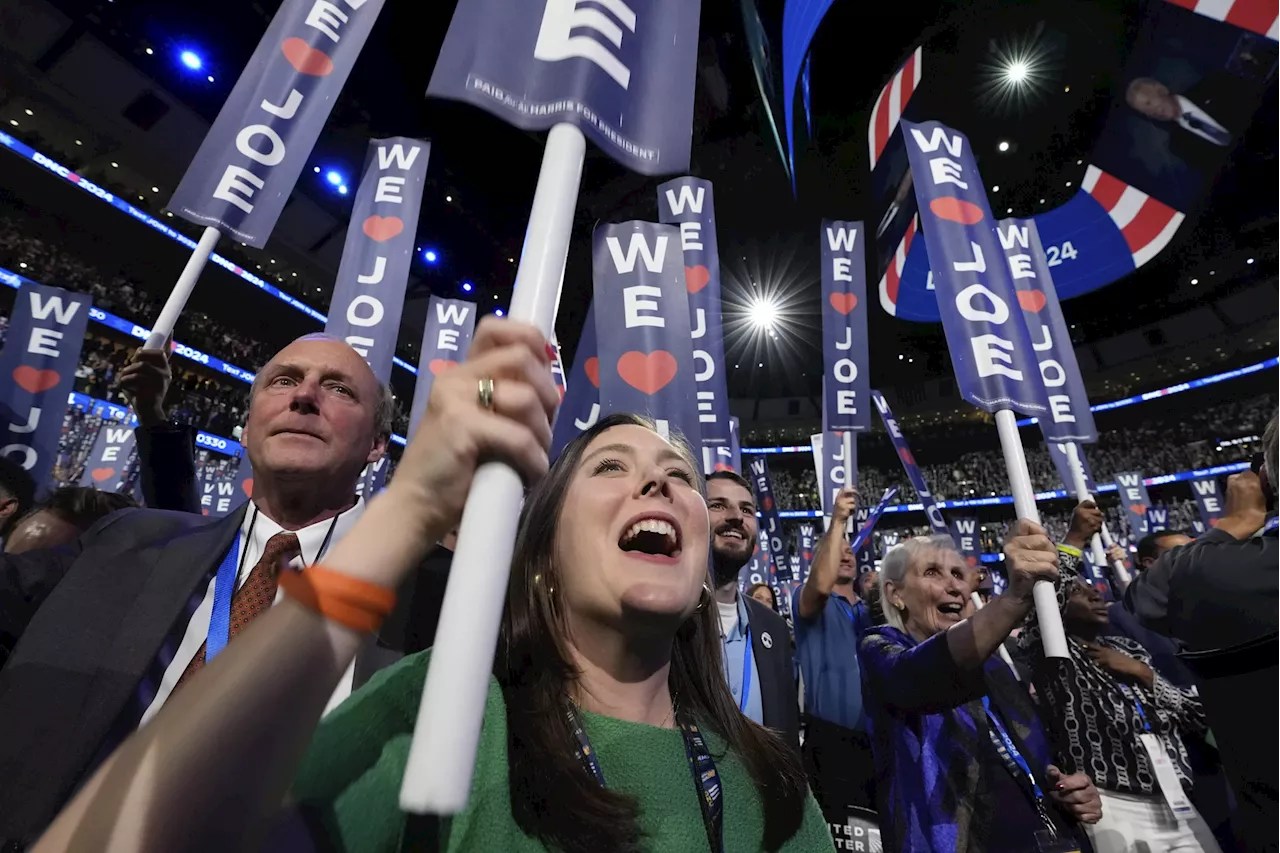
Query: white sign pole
(442,757)
(1001,650)
(1103,540)
(1024,503)
(181,292)
(850,472)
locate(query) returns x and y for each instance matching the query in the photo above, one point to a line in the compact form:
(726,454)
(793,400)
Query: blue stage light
(343,189)
(466,286)
(499,312)
(191,59)
(430,256)
(334,178)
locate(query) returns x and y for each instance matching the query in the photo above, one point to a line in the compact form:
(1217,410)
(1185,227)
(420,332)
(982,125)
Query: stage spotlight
(191,59)
(499,312)
(1016,72)
(1195,281)
(763,313)
(1249,261)
(466,286)
(342,190)
(334,178)
(1003,146)
(430,256)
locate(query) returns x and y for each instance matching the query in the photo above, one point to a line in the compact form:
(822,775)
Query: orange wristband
(338,597)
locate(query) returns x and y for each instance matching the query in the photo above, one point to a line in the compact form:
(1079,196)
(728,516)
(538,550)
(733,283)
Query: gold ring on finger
(484,390)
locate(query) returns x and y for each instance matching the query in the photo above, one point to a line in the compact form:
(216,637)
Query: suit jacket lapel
(764,660)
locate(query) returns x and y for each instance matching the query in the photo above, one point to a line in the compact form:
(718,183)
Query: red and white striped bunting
(1259,16)
(1146,224)
(893,273)
(892,101)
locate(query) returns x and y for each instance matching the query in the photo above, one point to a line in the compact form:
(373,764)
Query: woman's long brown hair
(553,797)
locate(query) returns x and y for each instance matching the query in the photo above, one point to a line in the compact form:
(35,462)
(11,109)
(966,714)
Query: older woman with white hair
(956,737)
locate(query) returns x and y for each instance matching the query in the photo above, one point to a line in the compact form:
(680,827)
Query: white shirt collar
(311,538)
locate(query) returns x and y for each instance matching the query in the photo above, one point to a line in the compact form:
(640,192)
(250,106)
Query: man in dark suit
(1201,120)
(757,645)
(108,628)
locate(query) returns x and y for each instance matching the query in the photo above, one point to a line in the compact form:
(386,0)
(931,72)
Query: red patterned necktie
(255,595)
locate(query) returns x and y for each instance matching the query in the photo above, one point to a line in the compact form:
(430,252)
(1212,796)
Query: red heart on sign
(844,302)
(1031,300)
(33,381)
(696,278)
(305,59)
(647,372)
(1138,509)
(971,560)
(382,228)
(721,466)
(593,370)
(247,487)
(768,503)
(440,365)
(808,555)
(1213,522)
(100,474)
(905,456)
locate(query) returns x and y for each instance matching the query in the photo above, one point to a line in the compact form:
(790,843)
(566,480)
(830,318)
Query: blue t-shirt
(827,646)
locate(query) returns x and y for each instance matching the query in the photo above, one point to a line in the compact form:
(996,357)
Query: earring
(704,598)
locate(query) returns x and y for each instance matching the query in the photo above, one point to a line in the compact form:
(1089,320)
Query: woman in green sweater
(608,726)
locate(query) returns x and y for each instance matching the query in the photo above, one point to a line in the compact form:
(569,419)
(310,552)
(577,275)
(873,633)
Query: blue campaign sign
(622,71)
(846,378)
(771,525)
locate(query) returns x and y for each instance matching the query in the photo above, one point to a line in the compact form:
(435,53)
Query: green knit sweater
(350,779)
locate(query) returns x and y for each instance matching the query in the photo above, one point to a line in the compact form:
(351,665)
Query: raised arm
(212,769)
(826,563)
(1086,520)
(166,451)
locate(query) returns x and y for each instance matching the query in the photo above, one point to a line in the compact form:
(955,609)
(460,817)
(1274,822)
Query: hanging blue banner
(108,460)
(991,352)
(1135,501)
(770,521)
(250,159)
(580,406)
(218,494)
(1208,500)
(37,371)
(368,295)
(965,533)
(863,537)
(446,337)
(689,204)
(936,522)
(623,75)
(759,569)
(643,334)
(846,378)
(1069,417)
(1058,453)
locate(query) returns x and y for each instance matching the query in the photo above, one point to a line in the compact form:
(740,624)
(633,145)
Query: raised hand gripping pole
(182,288)
(1024,503)
(1082,494)
(442,757)
(1001,650)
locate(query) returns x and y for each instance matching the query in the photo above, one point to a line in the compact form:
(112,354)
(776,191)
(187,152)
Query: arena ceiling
(482,172)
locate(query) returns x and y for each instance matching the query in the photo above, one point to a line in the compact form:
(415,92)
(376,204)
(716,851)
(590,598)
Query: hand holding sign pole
(509,59)
(990,345)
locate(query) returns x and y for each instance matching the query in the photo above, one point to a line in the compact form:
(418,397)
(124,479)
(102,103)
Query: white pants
(1144,824)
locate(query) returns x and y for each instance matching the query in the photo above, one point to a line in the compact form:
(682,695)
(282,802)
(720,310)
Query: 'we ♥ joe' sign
(645,360)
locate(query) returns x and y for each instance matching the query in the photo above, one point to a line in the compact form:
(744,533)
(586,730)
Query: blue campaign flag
(246,168)
(990,347)
(846,378)
(1208,499)
(808,542)
(1058,453)
(1133,497)
(689,204)
(242,482)
(108,460)
(936,522)
(1069,417)
(446,337)
(374,477)
(368,295)
(37,371)
(830,466)
(770,522)
(622,71)
(218,494)
(965,533)
(580,406)
(863,536)
(1157,518)
(759,568)
(646,363)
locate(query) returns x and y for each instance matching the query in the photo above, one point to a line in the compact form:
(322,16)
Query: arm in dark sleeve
(924,678)
(167,467)
(1147,597)
(25,582)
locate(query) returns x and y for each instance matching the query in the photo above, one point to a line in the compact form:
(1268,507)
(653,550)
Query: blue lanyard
(1013,758)
(224,587)
(846,608)
(706,780)
(746,672)
(1137,703)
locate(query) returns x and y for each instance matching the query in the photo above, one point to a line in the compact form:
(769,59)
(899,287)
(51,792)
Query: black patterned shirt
(1093,718)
